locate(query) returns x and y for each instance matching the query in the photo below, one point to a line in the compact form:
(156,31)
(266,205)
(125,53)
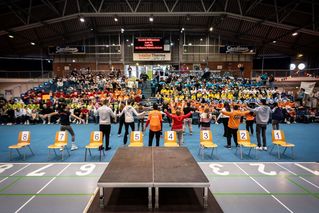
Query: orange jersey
(249,117)
(234,118)
(155,120)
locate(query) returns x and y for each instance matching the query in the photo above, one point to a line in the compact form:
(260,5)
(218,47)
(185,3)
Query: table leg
(205,197)
(101,197)
(150,197)
(156,197)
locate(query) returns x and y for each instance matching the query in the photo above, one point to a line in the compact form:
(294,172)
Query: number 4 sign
(170,136)
(277,135)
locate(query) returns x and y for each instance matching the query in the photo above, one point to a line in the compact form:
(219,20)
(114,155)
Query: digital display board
(150,45)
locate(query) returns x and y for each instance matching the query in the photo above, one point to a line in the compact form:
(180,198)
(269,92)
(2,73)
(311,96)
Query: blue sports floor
(304,136)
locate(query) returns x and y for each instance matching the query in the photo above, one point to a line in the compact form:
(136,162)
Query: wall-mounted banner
(60,50)
(232,49)
(151,56)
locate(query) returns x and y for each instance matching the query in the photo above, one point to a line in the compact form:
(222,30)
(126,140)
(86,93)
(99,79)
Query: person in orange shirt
(250,122)
(233,124)
(155,120)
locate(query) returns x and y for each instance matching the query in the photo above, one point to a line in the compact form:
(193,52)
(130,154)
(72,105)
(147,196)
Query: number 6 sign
(96,136)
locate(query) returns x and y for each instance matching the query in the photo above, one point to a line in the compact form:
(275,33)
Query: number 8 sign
(24,136)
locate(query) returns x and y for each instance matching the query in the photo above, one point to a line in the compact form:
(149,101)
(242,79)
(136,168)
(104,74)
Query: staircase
(147,91)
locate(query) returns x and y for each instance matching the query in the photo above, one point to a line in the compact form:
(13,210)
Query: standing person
(188,121)
(233,124)
(177,124)
(276,116)
(224,118)
(155,120)
(65,115)
(129,71)
(129,113)
(105,113)
(250,122)
(271,81)
(263,113)
(121,119)
(205,120)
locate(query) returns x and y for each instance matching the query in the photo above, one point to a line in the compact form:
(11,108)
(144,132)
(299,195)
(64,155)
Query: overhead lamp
(82,19)
(151,18)
(292,66)
(172,44)
(301,66)
(10,36)
(190,44)
(73,60)
(122,30)
(32,43)
(183,28)
(294,34)
(127,40)
(211,29)
(132,44)
(116,19)
(274,41)
(299,55)
(201,39)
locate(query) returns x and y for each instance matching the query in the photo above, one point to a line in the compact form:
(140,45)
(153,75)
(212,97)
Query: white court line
(298,175)
(264,188)
(86,209)
(15,173)
(43,188)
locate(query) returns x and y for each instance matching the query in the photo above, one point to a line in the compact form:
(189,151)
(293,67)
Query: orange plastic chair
(279,140)
(136,139)
(206,142)
(243,139)
(170,139)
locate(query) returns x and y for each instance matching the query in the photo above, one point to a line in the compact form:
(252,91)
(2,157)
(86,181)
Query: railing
(26,74)
(277,73)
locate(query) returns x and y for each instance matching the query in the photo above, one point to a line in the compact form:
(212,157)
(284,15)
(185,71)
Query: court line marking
(86,209)
(297,175)
(264,188)
(15,172)
(302,187)
(42,188)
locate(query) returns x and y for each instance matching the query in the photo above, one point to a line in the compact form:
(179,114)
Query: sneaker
(258,148)
(228,147)
(43,122)
(107,148)
(119,135)
(61,149)
(191,133)
(74,147)
(294,122)
(265,148)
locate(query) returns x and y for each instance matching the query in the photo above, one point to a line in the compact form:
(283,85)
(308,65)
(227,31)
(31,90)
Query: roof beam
(253,5)
(161,14)
(203,5)
(92,6)
(210,7)
(64,7)
(51,6)
(129,5)
(167,8)
(289,12)
(29,12)
(101,5)
(174,5)
(138,4)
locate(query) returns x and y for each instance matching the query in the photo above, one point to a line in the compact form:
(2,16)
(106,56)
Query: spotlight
(299,55)
(183,29)
(292,66)
(274,41)
(82,19)
(301,66)
(211,29)
(190,44)
(132,44)
(116,19)
(201,39)
(122,30)
(73,60)
(172,44)
(151,19)
(127,40)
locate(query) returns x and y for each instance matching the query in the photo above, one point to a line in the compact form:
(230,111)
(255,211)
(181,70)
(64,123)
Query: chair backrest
(24,137)
(206,136)
(170,137)
(278,135)
(96,137)
(136,137)
(61,137)
(243,136)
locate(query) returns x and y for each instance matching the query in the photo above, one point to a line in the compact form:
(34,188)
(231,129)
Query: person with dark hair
(188,121)
(65,115)
(224,118)
(155,120)
(233,124)
(129,113)
(277,116)
(105,113)
(263,113)
(250,122)
(121,119)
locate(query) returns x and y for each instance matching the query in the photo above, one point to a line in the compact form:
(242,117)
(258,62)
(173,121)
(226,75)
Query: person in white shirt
(129,113)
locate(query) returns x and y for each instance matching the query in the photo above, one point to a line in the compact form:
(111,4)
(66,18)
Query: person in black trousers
(121,120)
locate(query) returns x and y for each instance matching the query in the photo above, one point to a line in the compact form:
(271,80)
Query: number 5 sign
(136,136)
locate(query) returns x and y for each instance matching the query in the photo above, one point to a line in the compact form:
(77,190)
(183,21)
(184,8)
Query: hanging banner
(308,86)
(151,56)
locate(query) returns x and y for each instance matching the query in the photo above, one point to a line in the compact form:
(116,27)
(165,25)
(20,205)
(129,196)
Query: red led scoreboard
(151,49)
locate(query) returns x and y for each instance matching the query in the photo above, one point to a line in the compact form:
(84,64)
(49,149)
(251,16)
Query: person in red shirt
(85,114)
(177,124)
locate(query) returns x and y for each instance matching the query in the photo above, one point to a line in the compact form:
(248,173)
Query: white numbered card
(25,136)
(170,136)
(277,135)
(96,136)
(137,136)
(61,136)
(205,134)
(243,135)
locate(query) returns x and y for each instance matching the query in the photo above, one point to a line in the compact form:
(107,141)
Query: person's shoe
(288,122)
(119,135)
(107,148)
(191,133)
(258,148)
(43,122)
(294,122)
(228,147)
(74,147)
(62,148)
(265,148)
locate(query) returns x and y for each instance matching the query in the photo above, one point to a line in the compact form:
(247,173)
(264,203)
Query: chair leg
(55,152)
(10,155)
(67,149)
(249,151)
(85,154)
(62,154)
(100,155)
(284,150)
(103,152)
(19,152)
(90,152)
(256,153)
(241,152)
(211,155)
(272,148)
(31,150)
(203,153)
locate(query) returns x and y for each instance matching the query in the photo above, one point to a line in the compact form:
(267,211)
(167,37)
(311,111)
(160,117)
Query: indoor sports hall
(159,106)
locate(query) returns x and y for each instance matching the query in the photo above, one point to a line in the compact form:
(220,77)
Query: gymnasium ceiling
(246,22)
